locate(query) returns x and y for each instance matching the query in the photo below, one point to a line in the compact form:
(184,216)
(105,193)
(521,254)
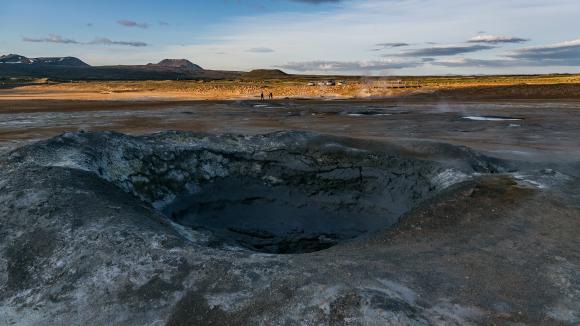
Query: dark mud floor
(458,221)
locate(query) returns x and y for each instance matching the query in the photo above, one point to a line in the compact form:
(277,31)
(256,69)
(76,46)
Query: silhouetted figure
(271,96)
(262,96)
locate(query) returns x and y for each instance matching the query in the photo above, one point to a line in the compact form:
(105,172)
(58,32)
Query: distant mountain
(265,74)
(14,59)
(178,63)
(70,68)
(54,61)
(60,61)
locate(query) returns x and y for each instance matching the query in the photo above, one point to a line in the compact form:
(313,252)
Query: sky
(361,37)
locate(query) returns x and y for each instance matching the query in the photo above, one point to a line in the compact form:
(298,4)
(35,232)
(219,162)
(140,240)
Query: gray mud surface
(418,217)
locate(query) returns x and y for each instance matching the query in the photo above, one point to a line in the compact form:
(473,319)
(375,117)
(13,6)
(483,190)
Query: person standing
(262,96)
(271,96)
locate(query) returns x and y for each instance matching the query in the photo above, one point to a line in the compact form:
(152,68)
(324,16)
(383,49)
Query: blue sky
(371,37)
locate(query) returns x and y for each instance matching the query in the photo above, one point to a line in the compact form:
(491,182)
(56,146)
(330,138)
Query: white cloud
(349,66)
(445,50)
(559,54)
(554,55)
(260,50)
(130,23)
(52,38)
(342,36)
(496,39)
(345,34)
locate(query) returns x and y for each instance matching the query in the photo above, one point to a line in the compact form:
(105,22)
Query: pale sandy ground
(231,90)
(143,91)
(548,125)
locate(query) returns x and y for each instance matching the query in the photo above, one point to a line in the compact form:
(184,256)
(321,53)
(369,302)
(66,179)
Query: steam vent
(289,228)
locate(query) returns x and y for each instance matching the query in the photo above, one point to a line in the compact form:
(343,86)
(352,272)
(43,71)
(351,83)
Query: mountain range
(71,68)
(58,61)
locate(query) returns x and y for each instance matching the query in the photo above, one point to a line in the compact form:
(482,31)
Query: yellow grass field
(540,86)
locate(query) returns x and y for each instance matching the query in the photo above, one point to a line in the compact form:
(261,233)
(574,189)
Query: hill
(61,61)
(70,68)
(16,59)
(178,63)
(265,74)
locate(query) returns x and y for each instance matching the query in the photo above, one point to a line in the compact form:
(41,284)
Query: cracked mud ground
(377,229)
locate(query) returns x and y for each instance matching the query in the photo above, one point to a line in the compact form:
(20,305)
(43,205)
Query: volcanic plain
(155,203)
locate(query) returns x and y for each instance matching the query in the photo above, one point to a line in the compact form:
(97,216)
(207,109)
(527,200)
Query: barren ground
(501,248)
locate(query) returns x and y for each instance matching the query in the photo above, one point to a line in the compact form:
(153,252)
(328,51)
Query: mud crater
(284,193)
(273,208)
(288,204)
(280,201)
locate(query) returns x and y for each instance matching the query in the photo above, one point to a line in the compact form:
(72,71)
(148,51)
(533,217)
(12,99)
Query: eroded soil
(86,237)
